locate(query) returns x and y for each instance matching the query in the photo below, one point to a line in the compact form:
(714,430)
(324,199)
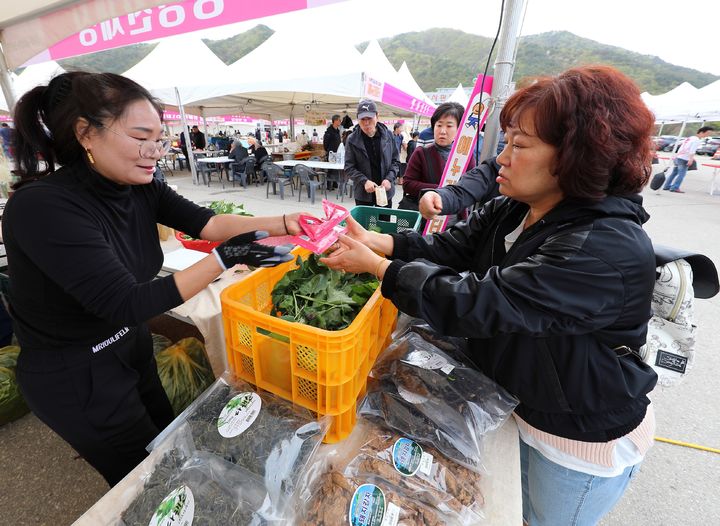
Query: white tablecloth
(319,165)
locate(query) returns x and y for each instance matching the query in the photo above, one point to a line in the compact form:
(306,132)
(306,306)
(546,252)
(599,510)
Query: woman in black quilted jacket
(551,284)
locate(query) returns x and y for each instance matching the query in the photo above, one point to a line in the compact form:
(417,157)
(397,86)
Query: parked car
(665,143)
(709,147)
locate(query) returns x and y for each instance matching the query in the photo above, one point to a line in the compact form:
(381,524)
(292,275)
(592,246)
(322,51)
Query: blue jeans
(677,175)
(557,496)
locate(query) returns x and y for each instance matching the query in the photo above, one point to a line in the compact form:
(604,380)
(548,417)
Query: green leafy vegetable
(228,207)
(185,372)
(222,207)
(12,404)
(316,295)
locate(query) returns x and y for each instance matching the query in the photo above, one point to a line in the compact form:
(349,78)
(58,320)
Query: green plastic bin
(386,220)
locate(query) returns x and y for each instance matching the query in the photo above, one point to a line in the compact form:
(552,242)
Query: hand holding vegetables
(243,249)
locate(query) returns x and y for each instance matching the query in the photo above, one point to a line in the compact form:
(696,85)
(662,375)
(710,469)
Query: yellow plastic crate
(324,371)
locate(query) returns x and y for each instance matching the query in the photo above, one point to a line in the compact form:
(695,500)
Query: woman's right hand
(357,232)
(375,241)
(430,205)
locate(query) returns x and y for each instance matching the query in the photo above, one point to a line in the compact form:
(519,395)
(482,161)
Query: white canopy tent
(169,64)
(677,105)
(459,96)
(178,61)
(407,82)
(35,75)
(41,30)
(707,102)
(261,84)
(4,106)
(30,27)
(376,63)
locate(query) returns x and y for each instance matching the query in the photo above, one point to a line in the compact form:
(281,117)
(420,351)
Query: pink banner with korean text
(388,94)
(172,18)
(170,116)
(392,96)
(463,147)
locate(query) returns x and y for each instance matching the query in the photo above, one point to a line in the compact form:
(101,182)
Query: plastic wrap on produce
(434,398)
(454,345)
(196,488)
(258,432)
(366,500)
(420,471)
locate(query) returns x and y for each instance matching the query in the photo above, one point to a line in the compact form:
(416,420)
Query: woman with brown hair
(551,284)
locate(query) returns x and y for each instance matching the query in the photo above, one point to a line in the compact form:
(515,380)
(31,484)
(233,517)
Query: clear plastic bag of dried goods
(368,500)
(435,399)
(258,432)
(196,490)
(420,471)
(453,345)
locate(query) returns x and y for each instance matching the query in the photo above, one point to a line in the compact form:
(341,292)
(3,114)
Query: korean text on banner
(462,149)
(171,19)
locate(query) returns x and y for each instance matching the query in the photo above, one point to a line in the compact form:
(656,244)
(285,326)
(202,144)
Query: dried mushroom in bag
(453,345)
(258,432)
(367,501)
(435,399)
(194,490)
(420,471)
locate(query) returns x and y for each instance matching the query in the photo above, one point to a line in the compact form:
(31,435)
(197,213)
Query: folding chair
(310,179)
(165,166)
(275,176)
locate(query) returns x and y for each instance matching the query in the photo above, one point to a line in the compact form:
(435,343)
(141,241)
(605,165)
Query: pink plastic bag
(319,234)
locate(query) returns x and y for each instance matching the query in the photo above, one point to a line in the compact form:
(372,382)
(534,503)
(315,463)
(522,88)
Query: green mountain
(111,61)
(443,57)
(233,48)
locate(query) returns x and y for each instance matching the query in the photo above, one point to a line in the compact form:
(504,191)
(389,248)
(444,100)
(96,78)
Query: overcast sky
(681,32)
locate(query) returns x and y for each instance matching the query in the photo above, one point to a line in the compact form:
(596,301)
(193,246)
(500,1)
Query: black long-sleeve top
(83,253)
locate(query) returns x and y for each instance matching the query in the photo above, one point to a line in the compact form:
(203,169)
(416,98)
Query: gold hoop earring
(90,156)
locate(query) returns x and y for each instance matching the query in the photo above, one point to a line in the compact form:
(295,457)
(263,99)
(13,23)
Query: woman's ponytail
(32,142)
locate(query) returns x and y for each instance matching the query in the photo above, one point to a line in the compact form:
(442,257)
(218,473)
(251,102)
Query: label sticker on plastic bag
(239,414)
(367,506)
(426,360)
(447,368)
(392,515)
(177,509)
(411,397)
(406,456)
(426,463)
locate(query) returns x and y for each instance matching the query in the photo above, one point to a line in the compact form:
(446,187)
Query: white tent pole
(190,156)
(202,114)
(504,67)
(6,83)
(291,135)
(680,136)
(662,123)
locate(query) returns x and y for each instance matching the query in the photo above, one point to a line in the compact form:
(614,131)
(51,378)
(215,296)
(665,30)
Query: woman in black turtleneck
(81,236)
(425,166)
